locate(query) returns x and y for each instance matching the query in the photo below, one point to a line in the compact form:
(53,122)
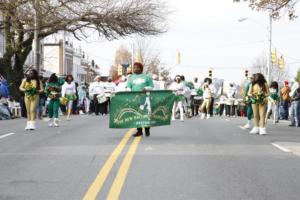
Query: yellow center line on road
(96,186)
(118,183)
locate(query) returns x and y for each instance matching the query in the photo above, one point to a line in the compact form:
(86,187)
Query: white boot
(181,118)
(255,130)
(50,122)
(27,127)
(56,122)
(248,125)
(202,116)
(173,117)
(32,126)
(262,131)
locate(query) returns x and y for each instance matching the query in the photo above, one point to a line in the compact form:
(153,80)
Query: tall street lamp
(269,64)
(36,40)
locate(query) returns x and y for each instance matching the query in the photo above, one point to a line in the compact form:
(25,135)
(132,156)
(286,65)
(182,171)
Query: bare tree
(150,57)
(277,7)
(111,19)
(122,57)
(260,66)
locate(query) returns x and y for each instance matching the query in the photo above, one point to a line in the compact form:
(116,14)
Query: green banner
(140,109)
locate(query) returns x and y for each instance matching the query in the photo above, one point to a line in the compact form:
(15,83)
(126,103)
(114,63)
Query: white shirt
(97,88)
(197,85)
(213,90)
(110,87)
(122,87)
(158,85)
(68,89)
(231,92)
(178,87)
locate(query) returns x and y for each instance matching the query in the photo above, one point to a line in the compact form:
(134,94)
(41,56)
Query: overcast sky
(208,35)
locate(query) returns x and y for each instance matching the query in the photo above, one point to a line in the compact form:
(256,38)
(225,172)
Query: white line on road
(6,135)
(281,148)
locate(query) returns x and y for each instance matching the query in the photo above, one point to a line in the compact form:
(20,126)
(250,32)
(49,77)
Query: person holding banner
(140,82)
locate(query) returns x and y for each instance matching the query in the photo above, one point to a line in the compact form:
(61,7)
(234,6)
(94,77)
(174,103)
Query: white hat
(154,76)
(95,79)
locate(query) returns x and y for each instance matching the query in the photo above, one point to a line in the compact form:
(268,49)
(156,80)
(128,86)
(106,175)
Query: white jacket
(178,87)
(68,89)
(97,88)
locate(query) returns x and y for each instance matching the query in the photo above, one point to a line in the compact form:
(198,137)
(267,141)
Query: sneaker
(56,122)
(147,133)
(27,127)
(262,131)
(50,122)
(32,126)
(255,130)
(208,116)
(137,134)
(247,126)
(202,116)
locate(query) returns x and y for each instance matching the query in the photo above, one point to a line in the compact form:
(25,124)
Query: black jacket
(296,95)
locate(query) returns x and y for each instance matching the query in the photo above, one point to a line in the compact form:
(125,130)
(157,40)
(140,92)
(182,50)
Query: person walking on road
(69,92)
(178,87)
(295,105)
(32,86)
(230,102)
(258,92)
(97,94)
(207,100)
(53,90)
(273,101)
(247,101)
(140,82)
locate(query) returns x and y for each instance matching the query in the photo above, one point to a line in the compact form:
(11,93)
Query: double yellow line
(117,185)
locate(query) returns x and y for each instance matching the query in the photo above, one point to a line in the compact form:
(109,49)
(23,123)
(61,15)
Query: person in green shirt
(140,82)
(53,91)
(248,105)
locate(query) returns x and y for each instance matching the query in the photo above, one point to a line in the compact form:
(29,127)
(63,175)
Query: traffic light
(210,73)
(178,58)
(281,63)
(274,57)
(120,70)
(246,73)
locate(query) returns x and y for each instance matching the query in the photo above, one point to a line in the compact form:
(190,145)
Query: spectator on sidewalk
(285,100)
(295,105)
(3,88)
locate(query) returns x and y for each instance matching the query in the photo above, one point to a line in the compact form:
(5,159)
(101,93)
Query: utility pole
(36,43)
(269,67)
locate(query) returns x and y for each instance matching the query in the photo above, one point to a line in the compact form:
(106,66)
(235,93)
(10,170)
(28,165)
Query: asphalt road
(196,159)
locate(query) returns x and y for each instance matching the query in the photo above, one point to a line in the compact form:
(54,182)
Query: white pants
(177,105)
(274,108)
